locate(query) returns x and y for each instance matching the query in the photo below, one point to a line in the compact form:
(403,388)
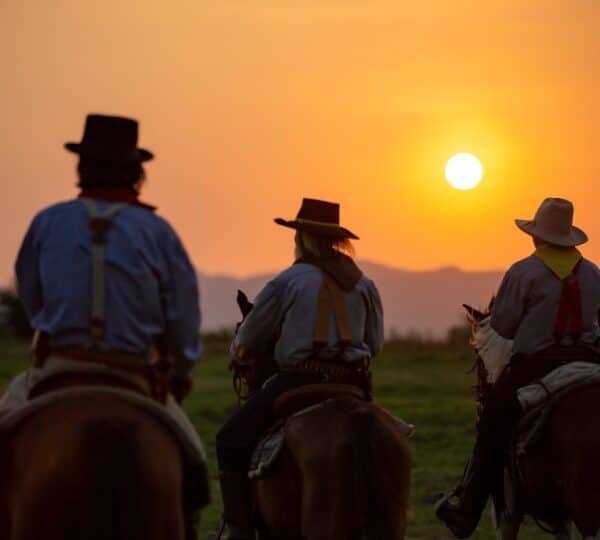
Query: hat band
(319,223)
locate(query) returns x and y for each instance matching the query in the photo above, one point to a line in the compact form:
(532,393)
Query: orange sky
(249,105)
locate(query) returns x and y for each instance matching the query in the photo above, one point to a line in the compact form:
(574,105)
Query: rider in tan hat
(548,304)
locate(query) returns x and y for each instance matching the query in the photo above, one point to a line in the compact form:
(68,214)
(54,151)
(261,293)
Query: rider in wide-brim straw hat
(548,304)
(307,348)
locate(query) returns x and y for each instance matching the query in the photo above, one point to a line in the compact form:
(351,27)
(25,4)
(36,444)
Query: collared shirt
(527,303)
(287,307)
(150,285)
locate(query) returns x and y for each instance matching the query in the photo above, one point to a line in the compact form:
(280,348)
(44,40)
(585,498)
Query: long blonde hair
(320,246)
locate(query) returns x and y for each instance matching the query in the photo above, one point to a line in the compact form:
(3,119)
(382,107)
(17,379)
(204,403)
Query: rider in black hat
(107,283)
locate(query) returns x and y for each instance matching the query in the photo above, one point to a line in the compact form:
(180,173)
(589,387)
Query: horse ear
(491,304)
(473,313)
(244,304)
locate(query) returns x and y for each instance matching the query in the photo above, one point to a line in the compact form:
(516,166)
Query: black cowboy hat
(112,138)
(317,217)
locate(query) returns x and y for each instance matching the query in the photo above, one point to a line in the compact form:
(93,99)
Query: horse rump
(344,473)
(381,473)
(94,469)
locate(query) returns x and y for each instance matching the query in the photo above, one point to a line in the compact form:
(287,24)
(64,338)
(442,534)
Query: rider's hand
(181,387)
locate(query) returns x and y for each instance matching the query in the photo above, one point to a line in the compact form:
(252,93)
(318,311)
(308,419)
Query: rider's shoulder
(590,266)
(59,209)
(298,271)
(526,265)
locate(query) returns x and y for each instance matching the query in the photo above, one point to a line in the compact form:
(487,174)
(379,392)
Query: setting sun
(464,171)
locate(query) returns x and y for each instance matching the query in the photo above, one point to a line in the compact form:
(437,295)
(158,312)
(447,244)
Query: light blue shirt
(288,304)
(150,285)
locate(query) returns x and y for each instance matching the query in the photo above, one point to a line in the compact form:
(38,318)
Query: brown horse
(559,479)
(93,468)
(344,471)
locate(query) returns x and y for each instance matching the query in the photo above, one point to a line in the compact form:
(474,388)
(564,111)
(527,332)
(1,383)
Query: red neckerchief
(115,195)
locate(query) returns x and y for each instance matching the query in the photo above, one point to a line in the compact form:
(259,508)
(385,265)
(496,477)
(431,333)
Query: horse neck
(494,350)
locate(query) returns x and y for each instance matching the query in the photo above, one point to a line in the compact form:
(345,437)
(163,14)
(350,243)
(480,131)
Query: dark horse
(91,468)
(344,471)
(559,479)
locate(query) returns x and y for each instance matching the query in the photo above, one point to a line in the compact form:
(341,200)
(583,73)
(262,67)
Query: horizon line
(263,273)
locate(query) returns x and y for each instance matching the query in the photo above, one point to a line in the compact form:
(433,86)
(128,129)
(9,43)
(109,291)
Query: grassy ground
(426,385)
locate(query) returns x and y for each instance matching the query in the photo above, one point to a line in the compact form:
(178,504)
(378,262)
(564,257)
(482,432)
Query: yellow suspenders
(331,295)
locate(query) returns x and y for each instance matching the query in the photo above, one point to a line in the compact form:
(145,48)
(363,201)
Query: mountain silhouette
(427,303)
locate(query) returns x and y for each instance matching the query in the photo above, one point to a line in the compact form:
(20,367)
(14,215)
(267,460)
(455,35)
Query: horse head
(493,351)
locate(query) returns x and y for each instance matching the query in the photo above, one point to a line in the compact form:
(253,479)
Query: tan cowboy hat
(553,223)
(318,217)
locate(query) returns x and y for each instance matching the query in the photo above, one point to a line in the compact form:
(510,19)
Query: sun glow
(464,171)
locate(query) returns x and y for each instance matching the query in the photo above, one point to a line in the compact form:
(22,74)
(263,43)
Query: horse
(557,481)
(89,466)
(343,472)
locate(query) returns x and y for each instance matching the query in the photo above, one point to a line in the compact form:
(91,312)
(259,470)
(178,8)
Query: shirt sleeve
(27,272)
(374,325)
(181,306)
(261,325)
(509,305)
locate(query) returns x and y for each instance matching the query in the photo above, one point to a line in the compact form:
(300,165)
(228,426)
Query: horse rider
(106,282)
(548,304)
(311,337)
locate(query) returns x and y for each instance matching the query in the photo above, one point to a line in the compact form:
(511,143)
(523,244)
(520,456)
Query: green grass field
(426,385)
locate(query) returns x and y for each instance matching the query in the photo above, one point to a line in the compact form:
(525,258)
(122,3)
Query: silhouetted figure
(548,304)
(326,322)
(107,284)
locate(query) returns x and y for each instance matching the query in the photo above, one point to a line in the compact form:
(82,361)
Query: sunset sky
(250,105)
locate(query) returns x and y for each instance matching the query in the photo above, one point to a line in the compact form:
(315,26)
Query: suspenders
(330,295)
(100,224)
(568,319)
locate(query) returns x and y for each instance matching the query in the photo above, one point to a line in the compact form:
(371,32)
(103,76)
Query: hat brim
(139,154)
(330,231)
(575,237)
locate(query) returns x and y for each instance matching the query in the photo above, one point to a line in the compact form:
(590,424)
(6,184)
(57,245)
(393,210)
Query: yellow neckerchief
(560,260)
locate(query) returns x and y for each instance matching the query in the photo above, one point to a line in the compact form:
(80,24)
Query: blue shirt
(150,285)
(288,304)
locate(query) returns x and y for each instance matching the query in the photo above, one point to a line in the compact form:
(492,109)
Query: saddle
(538,401)
(295,400)
(116,369)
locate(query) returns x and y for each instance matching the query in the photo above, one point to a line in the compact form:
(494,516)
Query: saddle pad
(562,377)
(269,448)
(539,398)
(170,415)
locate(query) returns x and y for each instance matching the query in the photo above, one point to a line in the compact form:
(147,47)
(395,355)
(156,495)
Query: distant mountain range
(428,303)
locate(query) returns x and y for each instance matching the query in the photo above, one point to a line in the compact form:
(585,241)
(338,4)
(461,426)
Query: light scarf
(560,260)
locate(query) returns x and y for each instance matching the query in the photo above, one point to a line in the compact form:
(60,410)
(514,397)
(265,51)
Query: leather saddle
(300,398)
(60,381)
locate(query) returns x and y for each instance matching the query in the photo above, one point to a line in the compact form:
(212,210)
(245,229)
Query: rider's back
(528,302)
(143,260)
(292,297)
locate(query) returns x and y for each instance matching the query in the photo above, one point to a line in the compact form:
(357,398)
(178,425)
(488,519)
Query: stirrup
(441,498)
(219,534)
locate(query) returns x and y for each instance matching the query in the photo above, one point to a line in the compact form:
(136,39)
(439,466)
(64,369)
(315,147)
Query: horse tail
(373,483)
(113,471)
